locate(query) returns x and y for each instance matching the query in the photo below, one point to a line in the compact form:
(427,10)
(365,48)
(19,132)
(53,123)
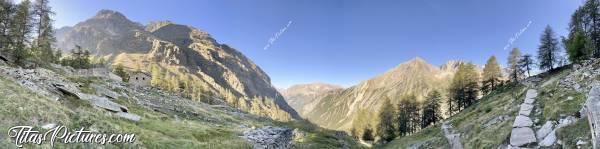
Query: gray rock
(129,116)
(530,96)
(105,92)
(522,136)
(525,109)
(545,130)
(270,138)
(549,140)
(522,121)
(453,138)
(49,126)
(581,142)
(493,121)
(566,121)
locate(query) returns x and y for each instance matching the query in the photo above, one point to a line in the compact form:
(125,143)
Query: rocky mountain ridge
(182,51)
(339,109)
(302,97)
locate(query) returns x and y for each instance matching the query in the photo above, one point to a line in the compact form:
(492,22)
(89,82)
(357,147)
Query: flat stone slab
(522,121)
(549,140)
(532,93)
(129,116)
(525,109)
(523,136)
(545,130)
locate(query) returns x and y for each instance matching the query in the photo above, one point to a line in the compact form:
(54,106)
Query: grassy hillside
(553,103)
(194,125)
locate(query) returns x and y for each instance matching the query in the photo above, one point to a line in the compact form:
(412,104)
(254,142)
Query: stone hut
(140,79)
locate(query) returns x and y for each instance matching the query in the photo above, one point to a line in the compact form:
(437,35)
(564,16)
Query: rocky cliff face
(182,51)
(339,109)
(303,97)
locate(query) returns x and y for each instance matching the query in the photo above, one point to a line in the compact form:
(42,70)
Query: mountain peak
(417,60)
(105,14)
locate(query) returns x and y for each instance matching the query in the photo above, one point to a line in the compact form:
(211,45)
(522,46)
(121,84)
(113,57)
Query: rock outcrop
(270,138)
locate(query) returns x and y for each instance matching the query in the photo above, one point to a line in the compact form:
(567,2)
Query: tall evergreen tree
(464,88)
(403,115)
(491,74)
(526,64)
(513,65)
(45,32)
(6,12)
(431,109)
(548,50)
(20,31)
(386,129)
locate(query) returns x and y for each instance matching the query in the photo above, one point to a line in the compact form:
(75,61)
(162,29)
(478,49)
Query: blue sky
(345,42)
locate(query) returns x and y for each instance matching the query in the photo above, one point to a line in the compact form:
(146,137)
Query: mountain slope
(338,109)
(489,123)
(303,97)
(181,53)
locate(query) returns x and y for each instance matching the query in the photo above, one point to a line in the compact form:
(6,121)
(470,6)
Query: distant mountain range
(304,97)
(180,50)
(337,108)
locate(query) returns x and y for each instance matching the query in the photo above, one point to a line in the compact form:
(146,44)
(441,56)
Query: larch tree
(513,64)
(431,109)
(386,129)
(548,50)
(6,12)
(45,32)
(20,32)
(491,74)
(526,64)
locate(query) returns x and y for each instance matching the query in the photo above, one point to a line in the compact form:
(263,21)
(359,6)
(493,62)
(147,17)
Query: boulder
(545,130)
(549,140)
(522,121)
(129,116)
(105,92)
(520,137)
(106,104)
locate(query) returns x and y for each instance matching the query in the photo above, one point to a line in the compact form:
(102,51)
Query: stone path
(522,134)
(453,138)
(592,106)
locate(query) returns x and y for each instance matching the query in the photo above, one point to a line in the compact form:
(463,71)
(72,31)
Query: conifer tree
(20,32)
(6,11)
(464,88)
(491,74)
(513,64)
(44,29)
(431,109)
(548,50)
(526,64)
(386,129)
